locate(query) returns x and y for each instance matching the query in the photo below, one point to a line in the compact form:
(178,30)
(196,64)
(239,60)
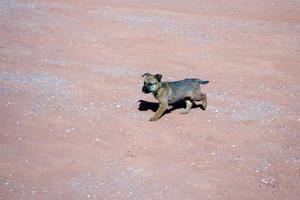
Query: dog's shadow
(146,105)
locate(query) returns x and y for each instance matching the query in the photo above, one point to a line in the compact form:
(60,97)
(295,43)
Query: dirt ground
(72,125)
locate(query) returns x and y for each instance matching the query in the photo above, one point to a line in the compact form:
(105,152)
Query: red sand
(70,82)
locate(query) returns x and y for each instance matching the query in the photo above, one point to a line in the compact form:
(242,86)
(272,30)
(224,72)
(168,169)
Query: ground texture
(72,126)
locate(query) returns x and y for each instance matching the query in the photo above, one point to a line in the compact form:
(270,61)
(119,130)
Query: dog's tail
(203,82)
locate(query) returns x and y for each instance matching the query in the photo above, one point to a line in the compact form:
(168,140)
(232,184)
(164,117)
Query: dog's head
(151,82)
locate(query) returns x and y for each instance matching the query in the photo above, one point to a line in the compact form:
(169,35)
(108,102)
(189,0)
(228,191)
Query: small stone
(264,181)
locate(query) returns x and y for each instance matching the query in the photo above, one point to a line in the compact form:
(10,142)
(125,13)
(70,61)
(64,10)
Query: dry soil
(72,125)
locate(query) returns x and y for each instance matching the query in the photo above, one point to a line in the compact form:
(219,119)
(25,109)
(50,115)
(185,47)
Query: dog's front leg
(162,108)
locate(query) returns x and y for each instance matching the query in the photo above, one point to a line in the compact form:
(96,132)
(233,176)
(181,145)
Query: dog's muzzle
(145,90)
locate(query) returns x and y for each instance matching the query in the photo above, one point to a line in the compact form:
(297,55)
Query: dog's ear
(146,74)
(158,77)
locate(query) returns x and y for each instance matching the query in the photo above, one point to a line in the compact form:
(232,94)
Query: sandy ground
(71,126)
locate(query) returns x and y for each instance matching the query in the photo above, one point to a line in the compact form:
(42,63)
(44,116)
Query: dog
(168,93)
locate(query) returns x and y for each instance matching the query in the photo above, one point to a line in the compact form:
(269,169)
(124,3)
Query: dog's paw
(169,107)
(152,119)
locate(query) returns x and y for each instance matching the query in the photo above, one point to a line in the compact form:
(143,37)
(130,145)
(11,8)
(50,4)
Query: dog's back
(179,90)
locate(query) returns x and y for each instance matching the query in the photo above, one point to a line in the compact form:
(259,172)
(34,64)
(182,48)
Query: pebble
(269,181)
(264,181)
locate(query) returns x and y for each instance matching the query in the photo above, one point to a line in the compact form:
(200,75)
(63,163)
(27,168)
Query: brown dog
(167,93)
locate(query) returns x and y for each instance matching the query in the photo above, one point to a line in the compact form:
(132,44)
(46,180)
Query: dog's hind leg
(200,96)
(204,100)
(188,107)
